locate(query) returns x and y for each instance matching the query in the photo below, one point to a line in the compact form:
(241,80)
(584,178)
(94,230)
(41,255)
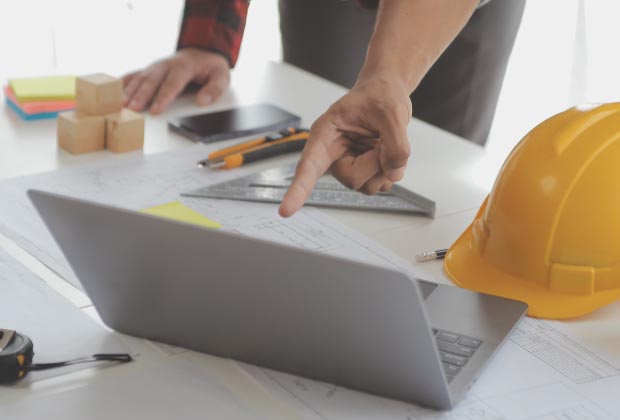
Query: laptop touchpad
(427,288)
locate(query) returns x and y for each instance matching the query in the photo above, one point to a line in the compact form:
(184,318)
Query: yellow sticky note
(52,88)
(177,211)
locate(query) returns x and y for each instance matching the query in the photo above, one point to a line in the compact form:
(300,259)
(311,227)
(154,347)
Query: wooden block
(98,94)
(124,131)
(78,133)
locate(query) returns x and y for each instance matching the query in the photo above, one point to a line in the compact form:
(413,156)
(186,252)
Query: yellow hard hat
(548,234)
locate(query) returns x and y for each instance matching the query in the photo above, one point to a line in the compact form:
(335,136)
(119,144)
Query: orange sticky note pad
(39,107)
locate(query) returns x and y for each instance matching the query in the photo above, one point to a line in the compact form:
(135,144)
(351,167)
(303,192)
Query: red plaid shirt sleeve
(214,25)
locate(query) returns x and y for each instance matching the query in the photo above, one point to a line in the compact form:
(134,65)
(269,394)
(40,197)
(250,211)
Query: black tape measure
(17,352)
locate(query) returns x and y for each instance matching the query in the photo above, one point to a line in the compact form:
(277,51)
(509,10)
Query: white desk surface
(453,172)
(443,167)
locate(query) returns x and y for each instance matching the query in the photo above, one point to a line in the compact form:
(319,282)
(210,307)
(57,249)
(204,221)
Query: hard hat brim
(466,267)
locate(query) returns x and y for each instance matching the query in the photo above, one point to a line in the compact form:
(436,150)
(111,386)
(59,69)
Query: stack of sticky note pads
(36,98)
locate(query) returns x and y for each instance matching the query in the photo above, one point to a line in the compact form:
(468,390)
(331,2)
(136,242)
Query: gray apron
(459,94)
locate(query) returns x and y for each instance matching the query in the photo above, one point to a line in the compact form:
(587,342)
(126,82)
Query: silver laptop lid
(318,316)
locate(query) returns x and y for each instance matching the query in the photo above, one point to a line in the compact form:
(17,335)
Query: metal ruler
(271,185)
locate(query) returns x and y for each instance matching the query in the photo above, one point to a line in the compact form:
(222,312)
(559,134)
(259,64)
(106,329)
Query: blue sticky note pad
(30,117)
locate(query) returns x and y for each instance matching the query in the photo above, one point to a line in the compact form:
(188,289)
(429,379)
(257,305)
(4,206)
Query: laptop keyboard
(454,351)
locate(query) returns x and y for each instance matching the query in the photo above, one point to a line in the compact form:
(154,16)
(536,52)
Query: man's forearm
(410,35)
(214,25)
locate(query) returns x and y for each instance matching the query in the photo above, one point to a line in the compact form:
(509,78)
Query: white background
(566,50)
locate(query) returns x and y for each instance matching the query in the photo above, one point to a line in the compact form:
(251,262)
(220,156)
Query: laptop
(348,323)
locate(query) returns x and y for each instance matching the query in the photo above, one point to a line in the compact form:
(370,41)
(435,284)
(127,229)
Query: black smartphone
(235,122)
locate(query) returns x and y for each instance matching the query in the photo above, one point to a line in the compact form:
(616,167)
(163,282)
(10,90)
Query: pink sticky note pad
(39,106)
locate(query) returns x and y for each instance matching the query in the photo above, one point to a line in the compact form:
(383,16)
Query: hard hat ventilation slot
(572,279)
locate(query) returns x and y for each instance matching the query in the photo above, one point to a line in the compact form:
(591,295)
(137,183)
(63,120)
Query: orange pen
(293,143)
(220,154)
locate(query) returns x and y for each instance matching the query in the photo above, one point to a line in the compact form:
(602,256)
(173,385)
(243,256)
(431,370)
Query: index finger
(322,149)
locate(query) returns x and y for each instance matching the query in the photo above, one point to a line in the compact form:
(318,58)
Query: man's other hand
(160,83)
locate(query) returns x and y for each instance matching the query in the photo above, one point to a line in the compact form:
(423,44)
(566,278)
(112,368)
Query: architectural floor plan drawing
(321,401)
(546,371)
(132,182)
(562,353)
(141,182)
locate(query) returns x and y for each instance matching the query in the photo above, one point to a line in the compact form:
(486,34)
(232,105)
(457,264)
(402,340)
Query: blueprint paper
(139,182)
(57,328)
(171,389)
(132,182)
(543,372)
(546,371)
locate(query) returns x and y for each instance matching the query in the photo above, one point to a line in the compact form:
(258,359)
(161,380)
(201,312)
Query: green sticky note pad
(52,88)
(178,211)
